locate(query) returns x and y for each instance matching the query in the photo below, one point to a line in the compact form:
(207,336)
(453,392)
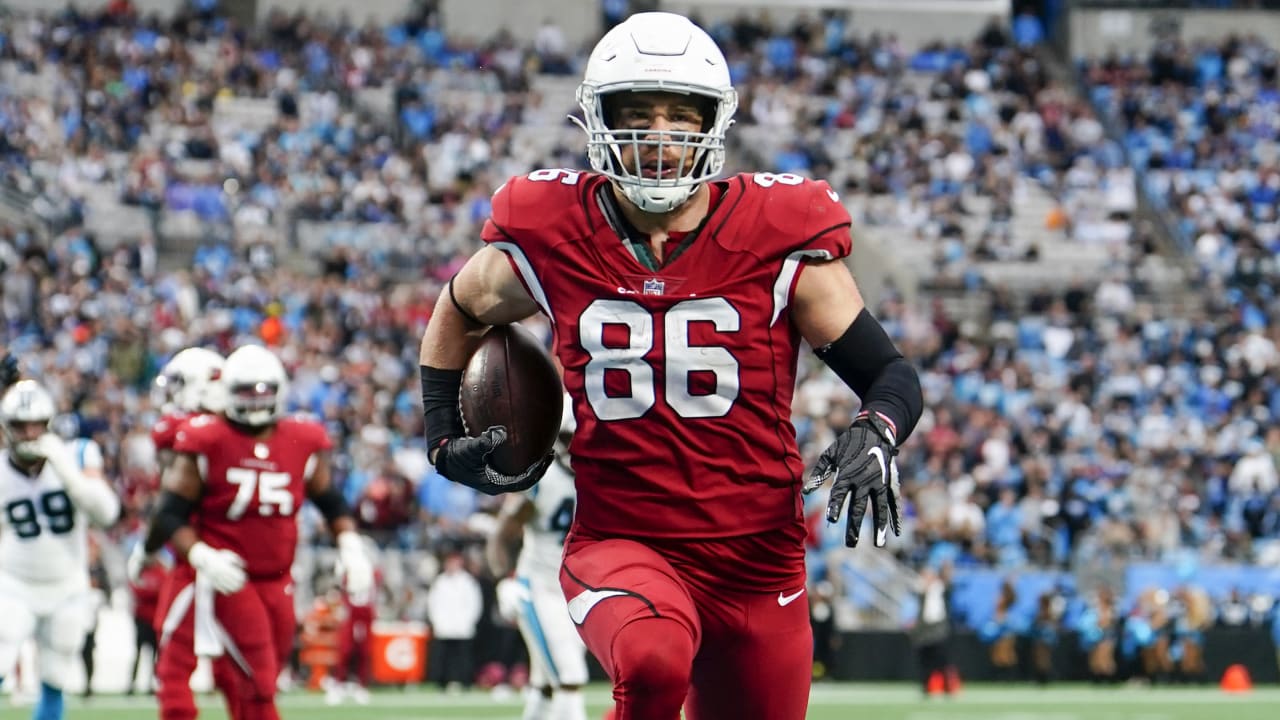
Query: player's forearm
(95,499)
(865,358)
(342,524)
(182,540)
(90,494)
(170,518)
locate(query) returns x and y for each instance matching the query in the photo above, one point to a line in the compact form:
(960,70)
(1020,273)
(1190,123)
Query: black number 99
(55,505)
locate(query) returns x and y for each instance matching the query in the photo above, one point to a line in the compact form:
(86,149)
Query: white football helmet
(656,52)
(255,385)
(188,382)
(26,402)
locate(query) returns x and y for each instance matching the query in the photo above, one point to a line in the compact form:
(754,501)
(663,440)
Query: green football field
(829,702)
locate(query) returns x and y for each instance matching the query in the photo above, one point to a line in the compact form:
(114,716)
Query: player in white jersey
(538,520)
(46,504)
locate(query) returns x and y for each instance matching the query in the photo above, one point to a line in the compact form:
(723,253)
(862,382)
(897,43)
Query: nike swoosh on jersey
(582,603)
(785,600)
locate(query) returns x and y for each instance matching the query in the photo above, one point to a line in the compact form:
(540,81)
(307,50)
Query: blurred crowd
(1075,422)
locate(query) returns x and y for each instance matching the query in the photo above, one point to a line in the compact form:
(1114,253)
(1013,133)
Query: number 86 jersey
(253,487)
(681,376)
(42,535)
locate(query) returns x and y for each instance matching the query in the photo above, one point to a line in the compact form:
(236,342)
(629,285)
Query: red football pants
(667,641)
(259,622)
(174,696)
(354,644)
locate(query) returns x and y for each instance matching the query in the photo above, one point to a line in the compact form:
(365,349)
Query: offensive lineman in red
(679,303)
(228,507)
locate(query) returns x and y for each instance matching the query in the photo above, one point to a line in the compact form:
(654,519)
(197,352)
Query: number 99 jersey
(682,376)
(253,488)
(42,535)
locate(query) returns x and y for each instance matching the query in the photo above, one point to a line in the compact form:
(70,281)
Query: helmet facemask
(701,154)
(253,386)
(254,404)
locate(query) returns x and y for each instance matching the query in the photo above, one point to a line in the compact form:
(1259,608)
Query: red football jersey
(165,430)
(252,488)
(681,378)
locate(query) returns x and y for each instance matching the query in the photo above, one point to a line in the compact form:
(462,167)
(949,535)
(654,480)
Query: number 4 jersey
(681,377)
(253,487)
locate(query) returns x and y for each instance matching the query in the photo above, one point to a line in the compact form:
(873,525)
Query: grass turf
(829,702)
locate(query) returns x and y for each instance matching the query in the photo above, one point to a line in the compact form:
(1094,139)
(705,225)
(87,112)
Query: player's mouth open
(650,170)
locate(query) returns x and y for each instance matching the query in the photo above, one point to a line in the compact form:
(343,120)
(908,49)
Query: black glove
(862,459)
(8,371)
(465,460)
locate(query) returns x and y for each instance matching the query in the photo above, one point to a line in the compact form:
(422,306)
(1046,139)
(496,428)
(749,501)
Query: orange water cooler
(399,652)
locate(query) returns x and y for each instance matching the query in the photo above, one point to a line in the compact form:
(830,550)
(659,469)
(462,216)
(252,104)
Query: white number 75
(272,489)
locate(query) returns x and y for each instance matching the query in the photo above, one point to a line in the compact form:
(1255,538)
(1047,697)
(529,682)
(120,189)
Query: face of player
(23,435)
(665,116)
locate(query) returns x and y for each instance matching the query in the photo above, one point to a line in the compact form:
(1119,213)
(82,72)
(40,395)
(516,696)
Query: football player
(679,303)
(354,643)
(44,562)
(538,520)
(186,387)
(228,506)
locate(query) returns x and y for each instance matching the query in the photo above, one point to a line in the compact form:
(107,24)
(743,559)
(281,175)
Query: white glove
(137,562)
(512,595)
(355,564)
(51,447)
(224,568)
(91,495)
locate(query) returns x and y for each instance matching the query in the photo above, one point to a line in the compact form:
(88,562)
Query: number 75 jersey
(42,535)
(681,377)
(253,488)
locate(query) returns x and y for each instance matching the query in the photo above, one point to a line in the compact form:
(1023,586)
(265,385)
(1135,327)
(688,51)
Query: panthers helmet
(254,385)
(24,403)
(187,383)
(664,52)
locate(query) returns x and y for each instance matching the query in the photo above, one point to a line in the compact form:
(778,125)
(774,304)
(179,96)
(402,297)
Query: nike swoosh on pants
(785,600)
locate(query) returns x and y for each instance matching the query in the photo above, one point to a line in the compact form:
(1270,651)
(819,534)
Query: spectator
(931,633)
(454,607)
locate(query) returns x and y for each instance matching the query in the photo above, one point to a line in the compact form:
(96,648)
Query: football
(512,381)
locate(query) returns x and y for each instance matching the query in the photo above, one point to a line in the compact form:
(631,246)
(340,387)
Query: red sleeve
(191,435)
(537,205)
(165,429)
(827,222)
(531,215)
(793,215)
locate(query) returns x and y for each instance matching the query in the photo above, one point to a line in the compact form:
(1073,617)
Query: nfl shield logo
(653,286)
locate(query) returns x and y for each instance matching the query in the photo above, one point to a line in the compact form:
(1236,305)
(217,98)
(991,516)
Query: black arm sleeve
(172,512)
(866,360)
(442,418)
(331,504)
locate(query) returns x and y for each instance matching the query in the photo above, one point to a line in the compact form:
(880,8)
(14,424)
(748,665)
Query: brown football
(512,381)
